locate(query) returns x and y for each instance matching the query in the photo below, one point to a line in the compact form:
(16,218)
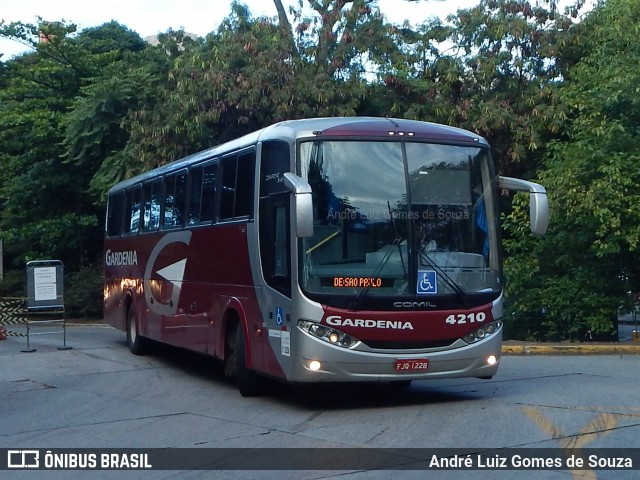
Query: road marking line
(598,427)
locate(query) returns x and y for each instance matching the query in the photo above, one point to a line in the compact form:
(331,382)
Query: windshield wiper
(357,303)
(457,289)
(397,237)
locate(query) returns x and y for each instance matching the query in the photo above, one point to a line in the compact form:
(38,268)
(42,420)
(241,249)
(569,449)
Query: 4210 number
(461,318)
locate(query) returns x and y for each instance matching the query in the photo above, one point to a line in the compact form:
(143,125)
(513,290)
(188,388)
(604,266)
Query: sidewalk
(514,347)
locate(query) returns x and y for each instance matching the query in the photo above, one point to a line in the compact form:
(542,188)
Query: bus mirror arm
(303,204)
(538,202)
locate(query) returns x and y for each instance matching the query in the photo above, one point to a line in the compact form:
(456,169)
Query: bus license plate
(412,365)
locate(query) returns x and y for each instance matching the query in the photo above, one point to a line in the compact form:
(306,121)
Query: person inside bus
(429,237)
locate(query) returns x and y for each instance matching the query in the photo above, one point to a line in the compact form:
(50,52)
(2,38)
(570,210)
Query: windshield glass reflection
(401,219)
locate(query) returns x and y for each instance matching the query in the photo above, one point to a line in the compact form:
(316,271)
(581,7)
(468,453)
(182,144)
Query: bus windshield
(399,219)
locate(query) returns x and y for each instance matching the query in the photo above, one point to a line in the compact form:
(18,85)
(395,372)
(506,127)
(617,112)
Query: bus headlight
(328,334)
(483,332)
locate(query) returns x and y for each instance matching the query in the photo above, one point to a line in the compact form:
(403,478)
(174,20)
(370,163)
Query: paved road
(99,395)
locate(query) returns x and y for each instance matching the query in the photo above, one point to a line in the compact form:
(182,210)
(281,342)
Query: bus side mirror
(302,204)
(538,202)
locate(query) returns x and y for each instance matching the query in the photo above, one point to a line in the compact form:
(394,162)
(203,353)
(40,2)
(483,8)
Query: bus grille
(389,345)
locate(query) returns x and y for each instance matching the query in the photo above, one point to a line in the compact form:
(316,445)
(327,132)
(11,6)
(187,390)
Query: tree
(47,211)
(40,87)
(498,76)
(111,38)
(591,171)
(99,124)
(239,79)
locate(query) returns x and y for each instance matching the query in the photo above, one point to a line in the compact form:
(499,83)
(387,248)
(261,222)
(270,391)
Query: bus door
(275,249)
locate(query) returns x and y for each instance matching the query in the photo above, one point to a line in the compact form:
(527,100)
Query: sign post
(45,298)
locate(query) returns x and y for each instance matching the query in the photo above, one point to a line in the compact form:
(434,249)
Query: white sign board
(44,282)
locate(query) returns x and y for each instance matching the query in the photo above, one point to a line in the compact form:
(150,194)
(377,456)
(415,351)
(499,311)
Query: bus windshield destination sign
(359,282)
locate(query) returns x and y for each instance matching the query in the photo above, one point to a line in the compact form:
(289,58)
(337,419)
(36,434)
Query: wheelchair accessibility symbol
(427,282)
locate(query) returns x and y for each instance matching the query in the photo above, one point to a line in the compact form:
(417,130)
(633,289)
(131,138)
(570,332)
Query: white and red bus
(318,250)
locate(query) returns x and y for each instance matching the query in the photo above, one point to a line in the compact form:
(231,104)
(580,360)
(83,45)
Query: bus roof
(330,127)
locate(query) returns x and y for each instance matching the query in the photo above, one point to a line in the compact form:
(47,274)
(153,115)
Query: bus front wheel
(249,383)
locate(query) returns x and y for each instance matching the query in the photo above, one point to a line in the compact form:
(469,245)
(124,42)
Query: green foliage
(499,76)
(554,290)
(341,37)
(47,209)
(83,292)
(110,37)
(581,272)
(66,236)
(98,126)
(239,79)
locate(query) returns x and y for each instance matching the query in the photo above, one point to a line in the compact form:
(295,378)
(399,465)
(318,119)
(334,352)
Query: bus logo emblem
(174,273)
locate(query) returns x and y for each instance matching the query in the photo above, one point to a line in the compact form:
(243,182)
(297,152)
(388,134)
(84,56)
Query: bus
(318,250)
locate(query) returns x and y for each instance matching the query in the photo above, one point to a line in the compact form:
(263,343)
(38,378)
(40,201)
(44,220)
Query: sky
(150,17)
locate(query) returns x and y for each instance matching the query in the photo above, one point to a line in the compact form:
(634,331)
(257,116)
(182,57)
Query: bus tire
(249,383)
(137,344)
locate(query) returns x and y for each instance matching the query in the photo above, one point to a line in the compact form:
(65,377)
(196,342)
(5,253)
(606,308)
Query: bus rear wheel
(249,383)
(137,344)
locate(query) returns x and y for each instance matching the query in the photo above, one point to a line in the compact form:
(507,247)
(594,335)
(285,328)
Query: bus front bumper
(322,362)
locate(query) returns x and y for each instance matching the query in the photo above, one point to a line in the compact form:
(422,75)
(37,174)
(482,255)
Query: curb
(583,349)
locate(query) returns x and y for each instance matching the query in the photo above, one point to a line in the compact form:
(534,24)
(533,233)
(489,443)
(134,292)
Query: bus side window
(174,198)
(169,201)
(152,202)
(180,199)
(236,199)
(115,215)
(275,244)
(195,195)
(133,209)
(228,194)
(244,185)
(208,204)
(281,264)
